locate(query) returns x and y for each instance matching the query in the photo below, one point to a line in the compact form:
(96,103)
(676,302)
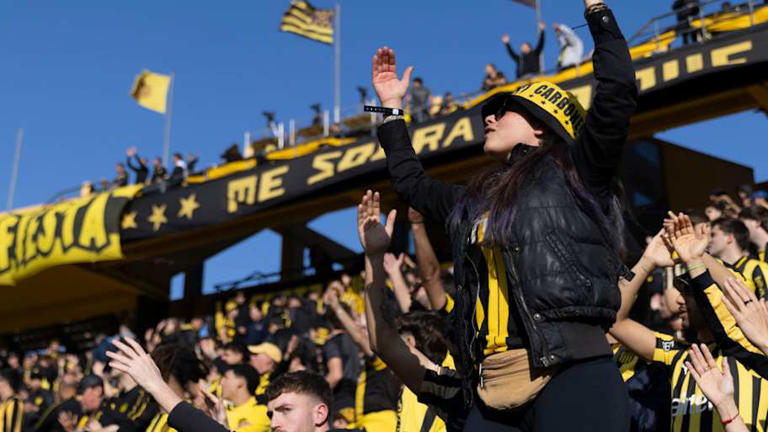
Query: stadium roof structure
(159,231)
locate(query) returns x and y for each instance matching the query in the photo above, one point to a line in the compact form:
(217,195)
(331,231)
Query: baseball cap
(269,349)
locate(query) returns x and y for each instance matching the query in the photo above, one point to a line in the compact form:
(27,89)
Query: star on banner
(129,221)
(188,207)
(158,216)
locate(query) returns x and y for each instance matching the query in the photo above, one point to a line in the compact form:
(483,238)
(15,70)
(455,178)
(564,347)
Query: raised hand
(505,38)
(542,26)
(374,237)
(658,252)
(750,313)
(133,360)
(689,243)
(391,263)
(387,85)
(715,382)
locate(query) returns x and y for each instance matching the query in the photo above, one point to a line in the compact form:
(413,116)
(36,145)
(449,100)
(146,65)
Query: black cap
(89,381)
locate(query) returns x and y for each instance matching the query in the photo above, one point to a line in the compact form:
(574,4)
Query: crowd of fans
(351,357)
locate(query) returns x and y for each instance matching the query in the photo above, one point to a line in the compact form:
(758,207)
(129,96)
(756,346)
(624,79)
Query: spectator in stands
(121,177)
(191,162)
(571,47)
(493,78)
(300,402)
(233,353)
(419,100)
(730,243)
(341,358)
(141,169)
(11,407)
(686,11)
(256,331)
(265,358)
(232,153)
(756,220)
(448,105)
(715,210)
(159,173)
(529,59)
(239,386)
(179,167)
(105,185)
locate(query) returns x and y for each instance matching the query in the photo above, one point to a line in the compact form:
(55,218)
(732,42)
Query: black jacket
(141,170)
(529,63)
(562,271)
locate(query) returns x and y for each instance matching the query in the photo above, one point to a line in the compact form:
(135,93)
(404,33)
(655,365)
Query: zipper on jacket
(537,340)
(474,307)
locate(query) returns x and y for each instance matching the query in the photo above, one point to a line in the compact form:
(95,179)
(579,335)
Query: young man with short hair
(300,402)
(730,243)
(239,385)
(756,220)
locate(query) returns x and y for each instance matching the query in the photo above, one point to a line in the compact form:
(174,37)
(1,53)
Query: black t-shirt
(343,347)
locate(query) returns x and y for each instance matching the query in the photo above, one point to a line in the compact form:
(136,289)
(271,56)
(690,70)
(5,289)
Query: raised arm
(630,333)
(429,266)
(393,267)
(598,150)
(540,42)
(331,298)
(432,198)
(510,50)
(384,339)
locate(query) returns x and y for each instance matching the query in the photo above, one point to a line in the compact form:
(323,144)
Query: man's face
(91,398)
(713,213)
(295,412)
(231,357)
(35,384)
(719,242)
(231,385)
(262,363)
(525,48)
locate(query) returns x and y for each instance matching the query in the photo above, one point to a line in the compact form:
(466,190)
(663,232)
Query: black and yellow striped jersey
(415,416)
(132,410)
(49,419)
(496,323)
(691,410)
(12,415)
(754,272)
(160,423)
(377,388)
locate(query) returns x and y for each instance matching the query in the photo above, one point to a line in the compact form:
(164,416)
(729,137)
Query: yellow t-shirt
(248,417)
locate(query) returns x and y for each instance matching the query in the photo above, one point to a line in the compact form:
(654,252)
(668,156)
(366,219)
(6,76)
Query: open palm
(689,243)
(374,237)
(388,86)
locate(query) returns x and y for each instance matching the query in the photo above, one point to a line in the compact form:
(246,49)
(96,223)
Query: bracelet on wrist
(696,266)
(728,421)
(596,8)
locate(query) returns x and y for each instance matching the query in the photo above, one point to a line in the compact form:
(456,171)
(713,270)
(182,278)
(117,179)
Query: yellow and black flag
(304,20)
(150,90)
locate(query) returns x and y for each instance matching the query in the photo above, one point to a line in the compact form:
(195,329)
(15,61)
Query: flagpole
(168,116)
(542,66)
(337,64)
(15,170)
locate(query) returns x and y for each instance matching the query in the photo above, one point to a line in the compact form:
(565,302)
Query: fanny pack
(506,381)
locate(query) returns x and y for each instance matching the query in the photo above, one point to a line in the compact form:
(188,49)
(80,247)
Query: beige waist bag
(506,381)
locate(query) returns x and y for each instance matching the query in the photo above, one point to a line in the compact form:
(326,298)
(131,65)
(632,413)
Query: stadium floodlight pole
(337,64)
(168,115)
(15,170)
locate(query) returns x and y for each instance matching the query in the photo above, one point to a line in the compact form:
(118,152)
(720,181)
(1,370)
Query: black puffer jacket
(562,272)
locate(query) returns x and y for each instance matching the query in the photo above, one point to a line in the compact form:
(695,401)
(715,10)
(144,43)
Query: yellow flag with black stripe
(304,20)
(150,90)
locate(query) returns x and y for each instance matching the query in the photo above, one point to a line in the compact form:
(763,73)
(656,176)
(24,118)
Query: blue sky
(68,68)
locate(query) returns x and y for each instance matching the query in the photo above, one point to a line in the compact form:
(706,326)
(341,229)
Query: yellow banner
(76,231)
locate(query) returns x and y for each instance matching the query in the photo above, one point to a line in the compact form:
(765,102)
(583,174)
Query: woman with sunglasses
(537,242)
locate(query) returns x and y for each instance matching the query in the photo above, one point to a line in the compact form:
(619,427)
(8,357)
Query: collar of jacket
(518,153)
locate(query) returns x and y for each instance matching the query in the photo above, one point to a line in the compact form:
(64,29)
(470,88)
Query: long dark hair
(495,191)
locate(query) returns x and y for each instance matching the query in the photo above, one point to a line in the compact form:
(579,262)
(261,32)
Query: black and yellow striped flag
(304,20)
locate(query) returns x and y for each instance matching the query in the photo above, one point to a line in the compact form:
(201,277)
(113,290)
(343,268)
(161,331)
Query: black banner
(273,183)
